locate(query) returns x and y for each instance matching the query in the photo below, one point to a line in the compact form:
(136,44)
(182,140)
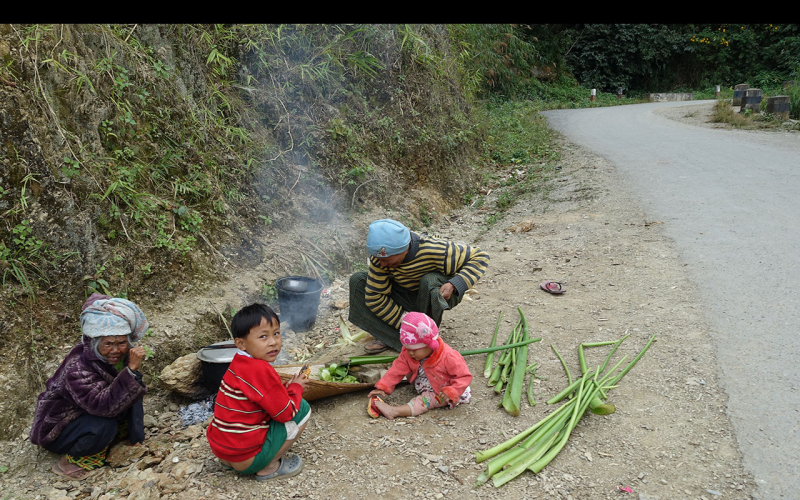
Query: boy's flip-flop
(372,409)
(552,287)
(288,467)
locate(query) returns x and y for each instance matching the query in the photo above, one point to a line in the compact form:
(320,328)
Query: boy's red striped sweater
(250,395)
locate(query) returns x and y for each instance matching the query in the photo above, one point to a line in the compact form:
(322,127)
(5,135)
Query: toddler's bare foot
(388,411)
(392,412)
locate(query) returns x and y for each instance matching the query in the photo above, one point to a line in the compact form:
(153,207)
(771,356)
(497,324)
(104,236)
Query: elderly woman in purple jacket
(96,394)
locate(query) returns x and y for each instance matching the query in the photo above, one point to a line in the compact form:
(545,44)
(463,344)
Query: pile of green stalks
(509,372)
(535,447)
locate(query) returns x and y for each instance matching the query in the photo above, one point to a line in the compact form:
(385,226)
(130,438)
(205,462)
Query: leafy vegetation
(168,135)
(663,57)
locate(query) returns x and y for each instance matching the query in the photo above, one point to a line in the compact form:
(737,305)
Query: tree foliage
(636,57)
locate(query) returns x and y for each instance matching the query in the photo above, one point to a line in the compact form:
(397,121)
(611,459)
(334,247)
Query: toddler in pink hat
(439,373)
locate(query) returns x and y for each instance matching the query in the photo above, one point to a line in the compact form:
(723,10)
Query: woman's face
(113,347)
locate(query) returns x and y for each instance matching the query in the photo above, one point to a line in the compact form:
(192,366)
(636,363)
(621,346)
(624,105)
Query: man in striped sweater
(409,272)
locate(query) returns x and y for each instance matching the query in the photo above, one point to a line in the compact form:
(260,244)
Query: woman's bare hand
(135,357)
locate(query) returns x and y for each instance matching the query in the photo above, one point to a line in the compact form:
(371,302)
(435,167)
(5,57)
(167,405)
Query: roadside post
(780,106)
(751,99)
(737,94)
(594,91)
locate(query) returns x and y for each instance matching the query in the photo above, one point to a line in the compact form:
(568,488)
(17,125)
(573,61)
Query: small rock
(522,227)
(185,469)
(123,454)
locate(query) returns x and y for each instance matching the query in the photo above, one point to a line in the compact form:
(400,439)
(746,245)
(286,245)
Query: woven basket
(315,388)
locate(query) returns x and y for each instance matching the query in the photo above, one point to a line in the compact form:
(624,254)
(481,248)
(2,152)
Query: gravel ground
(669,438)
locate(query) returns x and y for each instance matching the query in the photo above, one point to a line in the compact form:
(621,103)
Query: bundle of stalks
(535,447)
(509,373)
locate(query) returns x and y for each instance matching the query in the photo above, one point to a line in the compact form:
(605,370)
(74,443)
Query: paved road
(729,200)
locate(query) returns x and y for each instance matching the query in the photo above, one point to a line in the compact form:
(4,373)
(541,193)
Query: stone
(189,433)
(368,375)
(186,468)
(183,376)
(148,491)
(150,421)
(340,304)
(123,454)
(522,227)
(164,419)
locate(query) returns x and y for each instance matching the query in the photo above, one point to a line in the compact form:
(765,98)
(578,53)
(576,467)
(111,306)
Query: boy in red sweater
(256,417)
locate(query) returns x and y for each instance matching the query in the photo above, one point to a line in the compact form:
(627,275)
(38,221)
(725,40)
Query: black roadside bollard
(737,94)
(780,106)
(751,99)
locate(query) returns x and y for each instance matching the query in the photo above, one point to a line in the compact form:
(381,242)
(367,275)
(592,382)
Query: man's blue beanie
(387,237)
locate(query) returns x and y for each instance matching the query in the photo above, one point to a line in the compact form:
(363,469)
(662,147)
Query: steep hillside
(149,161)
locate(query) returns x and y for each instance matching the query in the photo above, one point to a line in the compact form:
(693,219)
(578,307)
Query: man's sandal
(375,347)
(288,467)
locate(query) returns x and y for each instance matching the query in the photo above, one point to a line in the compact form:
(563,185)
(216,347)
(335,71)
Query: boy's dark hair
(249,317)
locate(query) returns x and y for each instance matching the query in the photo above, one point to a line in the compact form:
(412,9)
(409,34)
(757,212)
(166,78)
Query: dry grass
(723,112)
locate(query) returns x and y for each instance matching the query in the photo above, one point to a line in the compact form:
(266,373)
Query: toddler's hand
(376,392)
(443,397)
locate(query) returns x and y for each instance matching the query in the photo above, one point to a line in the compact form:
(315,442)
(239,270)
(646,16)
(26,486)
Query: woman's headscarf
(103,316)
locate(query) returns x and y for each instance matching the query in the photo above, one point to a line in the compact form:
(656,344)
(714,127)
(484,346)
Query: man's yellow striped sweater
(464,263)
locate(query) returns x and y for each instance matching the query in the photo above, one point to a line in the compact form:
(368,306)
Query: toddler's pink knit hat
(419,330)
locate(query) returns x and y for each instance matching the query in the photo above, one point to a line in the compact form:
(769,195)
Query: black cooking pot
(298,298)
(215,359)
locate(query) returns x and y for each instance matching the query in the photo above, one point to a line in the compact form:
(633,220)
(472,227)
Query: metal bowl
(294,285)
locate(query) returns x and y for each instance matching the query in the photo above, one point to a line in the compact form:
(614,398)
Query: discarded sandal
(552,287)
(372,408)
(375,347)
(288,467)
